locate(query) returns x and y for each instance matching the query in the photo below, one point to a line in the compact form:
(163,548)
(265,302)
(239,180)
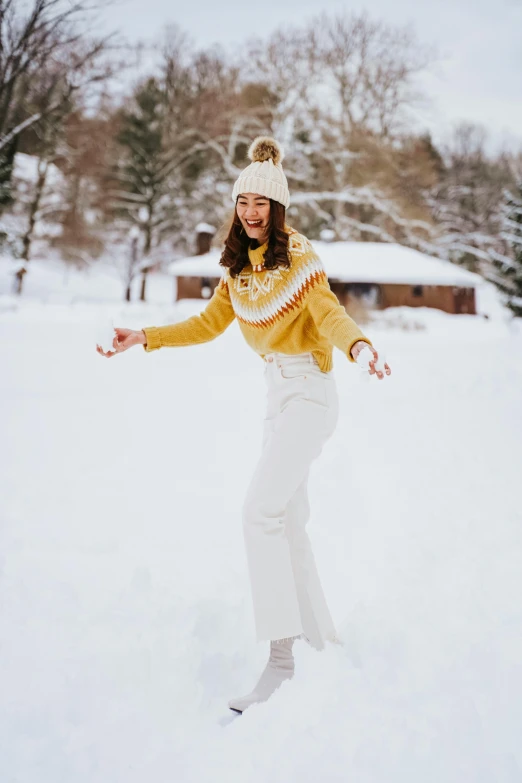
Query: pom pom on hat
(265,148)
(265,175)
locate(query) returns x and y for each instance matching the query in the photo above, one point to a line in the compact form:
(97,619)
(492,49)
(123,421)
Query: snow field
(125,615)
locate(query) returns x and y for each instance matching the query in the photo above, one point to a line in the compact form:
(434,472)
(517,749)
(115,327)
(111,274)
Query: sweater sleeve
(215,318)
(331,319)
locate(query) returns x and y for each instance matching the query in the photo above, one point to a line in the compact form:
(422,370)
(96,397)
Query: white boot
(280,667)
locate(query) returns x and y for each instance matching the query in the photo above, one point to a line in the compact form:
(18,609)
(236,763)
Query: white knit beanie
(265,175)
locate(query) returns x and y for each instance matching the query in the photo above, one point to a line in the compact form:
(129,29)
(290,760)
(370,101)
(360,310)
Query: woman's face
(254,213)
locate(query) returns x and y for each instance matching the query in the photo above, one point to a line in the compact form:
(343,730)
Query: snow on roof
(357,262)
(205,228)
(382,262)
(206,265)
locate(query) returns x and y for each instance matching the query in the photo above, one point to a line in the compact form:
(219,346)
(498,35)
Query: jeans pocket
(292,371)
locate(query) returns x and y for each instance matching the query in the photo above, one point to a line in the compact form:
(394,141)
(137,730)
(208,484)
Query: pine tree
(508,274)
(7,157)
(143,199)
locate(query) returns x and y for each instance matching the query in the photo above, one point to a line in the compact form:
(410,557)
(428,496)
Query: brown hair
(235,254)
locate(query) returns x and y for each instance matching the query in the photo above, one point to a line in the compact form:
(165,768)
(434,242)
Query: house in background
(391,275)
(204,235)
(378,274)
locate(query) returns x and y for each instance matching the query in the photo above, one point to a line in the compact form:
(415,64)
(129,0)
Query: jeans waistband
(294,357)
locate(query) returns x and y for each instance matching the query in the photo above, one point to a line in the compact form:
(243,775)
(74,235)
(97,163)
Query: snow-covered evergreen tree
(143,195)
(466,202)
(508,271)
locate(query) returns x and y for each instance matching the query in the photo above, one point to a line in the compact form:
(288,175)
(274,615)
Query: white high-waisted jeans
(302,411)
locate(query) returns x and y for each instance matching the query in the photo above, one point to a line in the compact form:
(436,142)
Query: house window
(369,293)
(417,290)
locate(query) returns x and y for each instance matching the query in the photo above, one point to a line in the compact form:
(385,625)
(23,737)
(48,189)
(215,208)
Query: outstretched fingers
(378,370)
(372,369)
(108,354)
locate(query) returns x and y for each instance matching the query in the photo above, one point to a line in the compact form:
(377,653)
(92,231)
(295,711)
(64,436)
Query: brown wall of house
(190,287)
(465,301)
(448,298)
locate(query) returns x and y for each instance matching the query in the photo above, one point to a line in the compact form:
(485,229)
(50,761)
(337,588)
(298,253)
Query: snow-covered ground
(125,615)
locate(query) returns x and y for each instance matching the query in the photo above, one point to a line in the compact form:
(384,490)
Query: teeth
(254,222)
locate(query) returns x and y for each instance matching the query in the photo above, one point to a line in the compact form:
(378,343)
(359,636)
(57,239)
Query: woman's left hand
(356,350)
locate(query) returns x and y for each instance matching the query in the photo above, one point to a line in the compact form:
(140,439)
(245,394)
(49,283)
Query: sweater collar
(256,256)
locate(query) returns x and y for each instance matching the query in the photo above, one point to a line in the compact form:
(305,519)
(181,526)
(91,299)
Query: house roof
(206,265)
(357,262)
(205,228)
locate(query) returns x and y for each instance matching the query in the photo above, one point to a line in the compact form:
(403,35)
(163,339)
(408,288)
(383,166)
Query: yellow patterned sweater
(282,310)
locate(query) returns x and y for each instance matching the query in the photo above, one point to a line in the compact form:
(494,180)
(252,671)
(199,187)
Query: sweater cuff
(356,340)
(152,333)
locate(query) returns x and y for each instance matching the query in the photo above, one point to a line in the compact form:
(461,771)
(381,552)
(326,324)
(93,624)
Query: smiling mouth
(254,223)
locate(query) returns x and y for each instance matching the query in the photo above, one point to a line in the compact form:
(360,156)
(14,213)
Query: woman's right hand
(124,339)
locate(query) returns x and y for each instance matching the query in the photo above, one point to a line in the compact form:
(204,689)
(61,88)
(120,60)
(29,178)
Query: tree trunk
(143,285)
(146,251)
(18,281)
(133,260)
(28,236)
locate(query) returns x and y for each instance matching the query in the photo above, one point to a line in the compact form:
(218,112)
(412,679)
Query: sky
(477,75)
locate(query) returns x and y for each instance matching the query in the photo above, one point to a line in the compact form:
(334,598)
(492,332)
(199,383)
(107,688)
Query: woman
(276,286)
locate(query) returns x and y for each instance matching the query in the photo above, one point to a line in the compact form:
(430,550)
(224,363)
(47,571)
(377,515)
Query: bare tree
(33,208)
(342,87)
(285,65)
(81,157)
(368,68)
(212,116)
(45,58)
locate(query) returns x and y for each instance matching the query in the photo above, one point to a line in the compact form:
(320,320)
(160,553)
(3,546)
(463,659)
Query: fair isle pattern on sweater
(290,310)
(255,285)
(261,299)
